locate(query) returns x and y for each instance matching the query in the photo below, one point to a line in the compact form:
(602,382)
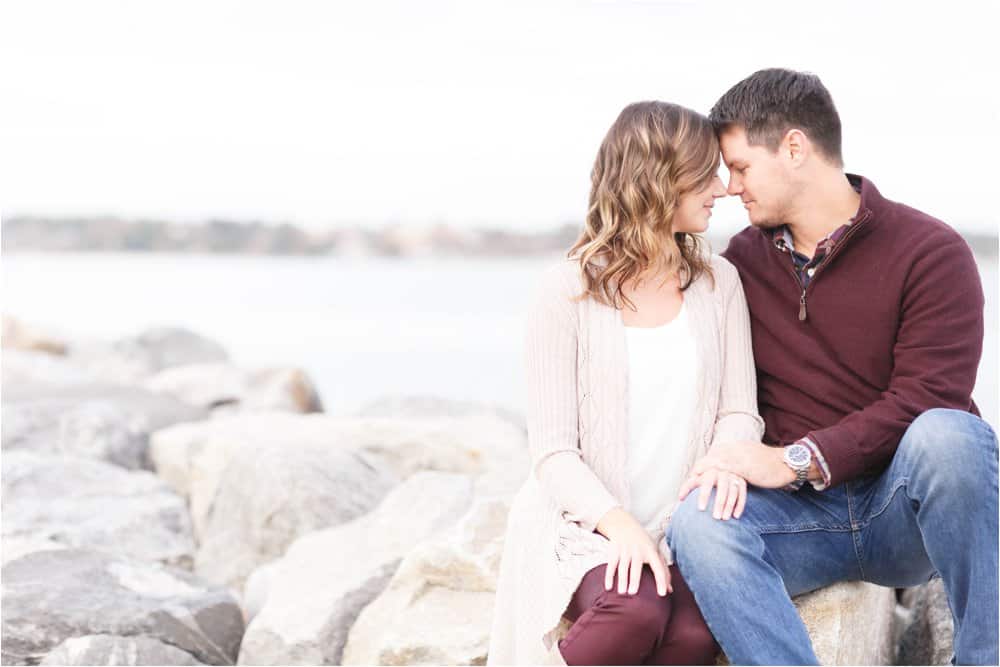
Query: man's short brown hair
(770,102)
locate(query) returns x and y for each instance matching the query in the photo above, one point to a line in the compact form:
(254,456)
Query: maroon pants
(641,629)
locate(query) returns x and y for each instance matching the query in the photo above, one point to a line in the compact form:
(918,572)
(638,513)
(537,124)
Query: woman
(638,359)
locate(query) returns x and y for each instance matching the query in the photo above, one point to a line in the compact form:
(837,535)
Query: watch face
(797,456)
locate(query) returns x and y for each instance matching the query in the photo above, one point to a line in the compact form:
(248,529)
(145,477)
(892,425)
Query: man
(867,324)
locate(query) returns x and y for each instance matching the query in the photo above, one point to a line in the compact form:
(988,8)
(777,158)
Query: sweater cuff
(820,462)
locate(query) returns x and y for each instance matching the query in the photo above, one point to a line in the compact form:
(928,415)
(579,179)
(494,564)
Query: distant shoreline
(110,234)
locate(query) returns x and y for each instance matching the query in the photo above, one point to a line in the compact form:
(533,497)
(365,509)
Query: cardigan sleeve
(552,405)
(737,417)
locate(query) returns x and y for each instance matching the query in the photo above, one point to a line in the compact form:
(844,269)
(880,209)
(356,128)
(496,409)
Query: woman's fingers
(660,574)
(635,573)
(741,502)
(609,572)
(707,482)
(722,494)
(623,563)
(690,483)
(736,486)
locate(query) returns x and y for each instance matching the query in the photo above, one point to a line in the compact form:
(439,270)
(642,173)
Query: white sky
(467,113)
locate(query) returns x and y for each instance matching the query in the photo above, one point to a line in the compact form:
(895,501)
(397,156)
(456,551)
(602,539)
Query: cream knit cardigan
(576,413)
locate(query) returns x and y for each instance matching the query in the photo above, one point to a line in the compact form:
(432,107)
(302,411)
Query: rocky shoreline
(163,506)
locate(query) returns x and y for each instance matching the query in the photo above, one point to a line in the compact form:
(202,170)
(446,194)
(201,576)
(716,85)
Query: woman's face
(695,208)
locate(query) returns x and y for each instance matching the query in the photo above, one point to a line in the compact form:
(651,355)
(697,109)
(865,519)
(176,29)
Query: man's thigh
(806,535)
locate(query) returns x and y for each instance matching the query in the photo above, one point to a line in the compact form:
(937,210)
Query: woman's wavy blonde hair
(654,153)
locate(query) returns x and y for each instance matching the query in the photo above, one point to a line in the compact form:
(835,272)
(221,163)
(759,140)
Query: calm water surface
(362,328)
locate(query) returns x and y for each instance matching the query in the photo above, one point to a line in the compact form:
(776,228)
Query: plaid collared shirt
(805,266)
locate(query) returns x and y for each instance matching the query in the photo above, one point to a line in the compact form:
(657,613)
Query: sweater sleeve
(935,359)
(737,417)
(552,412)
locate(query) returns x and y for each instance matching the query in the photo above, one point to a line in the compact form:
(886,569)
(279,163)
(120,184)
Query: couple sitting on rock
(711,436)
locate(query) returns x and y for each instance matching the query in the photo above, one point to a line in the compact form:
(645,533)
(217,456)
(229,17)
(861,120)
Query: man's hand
(757,463)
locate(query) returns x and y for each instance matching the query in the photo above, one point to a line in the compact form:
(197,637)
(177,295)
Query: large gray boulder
(928,637)
(226,389)
(272,493)
(114,650)
(51,596)
(107,422)
(77,502)
(31,373)
(193,457)
(131,359)
(438,607)
(313,595)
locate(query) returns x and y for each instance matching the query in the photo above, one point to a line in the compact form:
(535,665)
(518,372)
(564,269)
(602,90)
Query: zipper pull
(802,306)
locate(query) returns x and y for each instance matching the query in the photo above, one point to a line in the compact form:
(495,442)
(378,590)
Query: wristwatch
(798,458)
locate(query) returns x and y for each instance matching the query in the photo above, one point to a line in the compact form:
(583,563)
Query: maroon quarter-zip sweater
(890,325)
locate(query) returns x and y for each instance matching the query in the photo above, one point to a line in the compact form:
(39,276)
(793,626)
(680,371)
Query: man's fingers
(707,482)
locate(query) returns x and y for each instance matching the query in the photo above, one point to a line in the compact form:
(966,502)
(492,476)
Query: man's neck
(826,206)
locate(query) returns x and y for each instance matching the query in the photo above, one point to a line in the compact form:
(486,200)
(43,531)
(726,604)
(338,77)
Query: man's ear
(795,146)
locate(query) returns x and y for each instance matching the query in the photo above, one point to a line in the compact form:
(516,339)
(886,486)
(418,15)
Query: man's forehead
(734,145)
(733,137)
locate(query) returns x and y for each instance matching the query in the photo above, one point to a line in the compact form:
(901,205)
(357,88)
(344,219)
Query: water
(362,328)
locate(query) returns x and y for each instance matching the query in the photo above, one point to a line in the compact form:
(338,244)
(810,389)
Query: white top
(662,383)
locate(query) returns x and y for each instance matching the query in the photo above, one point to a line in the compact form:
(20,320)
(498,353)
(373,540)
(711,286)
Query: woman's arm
(552,407)
(737,417)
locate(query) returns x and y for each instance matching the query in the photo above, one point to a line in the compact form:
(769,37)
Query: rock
(51,596)
(106,422)
(78,502)
(17,335)
(438,607)
(114,650)
(15,547)
(409,407)
(929,635)
(192,457)
(132,359)
(327,577)
(30,373)
(850,623)
(473,445)
(272,493)
(226,389)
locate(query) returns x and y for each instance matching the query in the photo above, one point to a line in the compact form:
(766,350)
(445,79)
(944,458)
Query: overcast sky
(329,113)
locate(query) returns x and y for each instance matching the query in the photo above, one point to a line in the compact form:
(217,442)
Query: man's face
(758,177)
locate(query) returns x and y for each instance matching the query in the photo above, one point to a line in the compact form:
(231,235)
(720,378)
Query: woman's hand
(730,496)
(630,547)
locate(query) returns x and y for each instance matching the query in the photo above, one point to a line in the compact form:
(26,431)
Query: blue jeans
(932,512)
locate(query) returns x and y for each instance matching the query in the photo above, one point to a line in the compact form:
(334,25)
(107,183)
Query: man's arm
(935,360)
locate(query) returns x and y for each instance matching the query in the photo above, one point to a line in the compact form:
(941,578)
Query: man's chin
(764,223)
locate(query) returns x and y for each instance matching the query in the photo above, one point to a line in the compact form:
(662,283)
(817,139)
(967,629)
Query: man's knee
(696,537)
(950,443)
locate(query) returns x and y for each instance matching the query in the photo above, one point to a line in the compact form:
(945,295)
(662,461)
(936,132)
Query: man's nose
(734,187)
